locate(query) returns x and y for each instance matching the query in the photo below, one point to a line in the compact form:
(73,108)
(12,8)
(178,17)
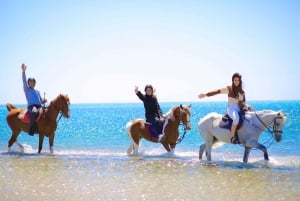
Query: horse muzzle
(188,126)
(278,136)
(67,115)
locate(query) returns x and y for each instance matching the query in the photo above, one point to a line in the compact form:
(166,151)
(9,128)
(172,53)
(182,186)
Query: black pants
(156,124)
(33,115)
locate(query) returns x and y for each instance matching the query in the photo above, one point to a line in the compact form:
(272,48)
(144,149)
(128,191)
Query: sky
(98,51)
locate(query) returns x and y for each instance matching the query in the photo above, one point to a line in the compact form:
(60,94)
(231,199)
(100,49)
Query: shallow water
(90,161)
(151,176)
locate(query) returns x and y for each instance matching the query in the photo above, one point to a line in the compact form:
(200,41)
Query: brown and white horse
(46,125)
(137,129)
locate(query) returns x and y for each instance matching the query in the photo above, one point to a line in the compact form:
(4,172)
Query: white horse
(253,125)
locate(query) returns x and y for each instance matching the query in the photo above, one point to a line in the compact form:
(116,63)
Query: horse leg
(255,144)
(20,146)
(264,149)
(246,154)
(201,150)
(166,146)
(41,140)
(133,148)
(51,142)
(208,152)
(13,139)
(130,149)
(172,148)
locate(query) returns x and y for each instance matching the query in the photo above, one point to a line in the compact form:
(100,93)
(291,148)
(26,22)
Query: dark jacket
(152,108)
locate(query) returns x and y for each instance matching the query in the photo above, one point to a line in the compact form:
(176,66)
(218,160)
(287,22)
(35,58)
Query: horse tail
(10,107)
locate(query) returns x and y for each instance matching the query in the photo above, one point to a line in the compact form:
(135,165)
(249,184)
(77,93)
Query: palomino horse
(253,125)
(137,129)
(46,125)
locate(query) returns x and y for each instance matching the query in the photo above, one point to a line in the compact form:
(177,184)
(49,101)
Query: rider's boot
(234,139)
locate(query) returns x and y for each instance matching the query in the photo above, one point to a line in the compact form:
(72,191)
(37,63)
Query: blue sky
(97,51)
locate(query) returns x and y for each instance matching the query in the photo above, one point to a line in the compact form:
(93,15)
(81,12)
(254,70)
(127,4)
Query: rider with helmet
(33,97)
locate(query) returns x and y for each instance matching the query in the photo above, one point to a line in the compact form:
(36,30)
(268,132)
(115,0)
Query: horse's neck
(51,112)
(172,120)
(265,116)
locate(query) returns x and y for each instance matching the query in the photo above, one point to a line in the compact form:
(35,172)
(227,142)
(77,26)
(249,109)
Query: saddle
(226,121)
(24,116)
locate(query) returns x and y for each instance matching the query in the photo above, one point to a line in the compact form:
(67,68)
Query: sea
(90,160)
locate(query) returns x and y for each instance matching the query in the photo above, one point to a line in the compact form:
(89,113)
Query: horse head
(272,119)
(182,114)
(62,103)
(278,124)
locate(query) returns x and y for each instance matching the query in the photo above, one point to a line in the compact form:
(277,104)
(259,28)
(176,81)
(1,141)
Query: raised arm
(25,86)
(139,94)
(215,92)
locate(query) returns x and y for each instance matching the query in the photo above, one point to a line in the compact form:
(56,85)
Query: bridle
(275,124)
(63,110)
(183,123)
(274,128)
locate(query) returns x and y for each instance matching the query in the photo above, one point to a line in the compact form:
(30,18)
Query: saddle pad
(152,130)
(25,116)
(226,122)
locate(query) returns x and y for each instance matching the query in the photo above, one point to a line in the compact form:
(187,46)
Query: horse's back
(208,122)
(13,111)
(209,118)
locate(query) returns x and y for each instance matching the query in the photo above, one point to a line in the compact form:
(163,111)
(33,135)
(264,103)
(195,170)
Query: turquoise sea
(90,160)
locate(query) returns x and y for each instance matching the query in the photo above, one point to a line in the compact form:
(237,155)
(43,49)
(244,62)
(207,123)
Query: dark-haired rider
(236,102)
(153,112)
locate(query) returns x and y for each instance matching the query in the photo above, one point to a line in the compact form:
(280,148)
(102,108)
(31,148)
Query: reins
(268,129)
(263,123)
(180,138)
(60,116)
(183,135)
(60,112)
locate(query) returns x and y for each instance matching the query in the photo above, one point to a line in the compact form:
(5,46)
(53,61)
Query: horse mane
(170,113)
(66,97)
(268,111)
(265,112)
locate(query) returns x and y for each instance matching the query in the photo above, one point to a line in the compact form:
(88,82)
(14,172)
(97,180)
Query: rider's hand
(201,96)
(23,67)
(136,89)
